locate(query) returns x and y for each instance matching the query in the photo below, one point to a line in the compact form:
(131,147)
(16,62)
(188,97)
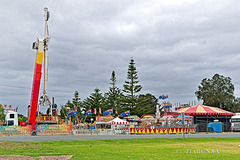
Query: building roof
(203,110)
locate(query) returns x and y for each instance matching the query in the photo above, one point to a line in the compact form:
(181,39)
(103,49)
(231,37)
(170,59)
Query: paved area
(102,137)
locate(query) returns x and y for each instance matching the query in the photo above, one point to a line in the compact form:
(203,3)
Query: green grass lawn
(189,149)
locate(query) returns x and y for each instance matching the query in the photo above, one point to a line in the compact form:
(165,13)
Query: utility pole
(183,121)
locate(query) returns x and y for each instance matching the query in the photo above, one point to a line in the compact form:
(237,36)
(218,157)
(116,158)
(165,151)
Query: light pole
(183,121)
(91,125)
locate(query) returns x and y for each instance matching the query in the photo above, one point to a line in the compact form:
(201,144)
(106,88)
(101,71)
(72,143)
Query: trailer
(11,118)
(235,122)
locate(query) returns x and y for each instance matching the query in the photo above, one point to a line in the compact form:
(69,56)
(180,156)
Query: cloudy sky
(175,44)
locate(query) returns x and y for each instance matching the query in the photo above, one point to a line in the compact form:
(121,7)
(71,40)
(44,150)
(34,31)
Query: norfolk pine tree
(95,100)
(114,96)
(77,104)
(131,86)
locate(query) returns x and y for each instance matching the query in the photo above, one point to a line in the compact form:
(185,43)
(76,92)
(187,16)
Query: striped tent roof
(118,121)
(203,110)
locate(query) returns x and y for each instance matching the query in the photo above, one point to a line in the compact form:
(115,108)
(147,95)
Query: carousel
(205,114)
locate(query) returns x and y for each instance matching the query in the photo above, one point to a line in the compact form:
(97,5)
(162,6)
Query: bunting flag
(107,112)
(124,114)
(95,111)
(87,113)
(99,111)
(72,113)
(163,96)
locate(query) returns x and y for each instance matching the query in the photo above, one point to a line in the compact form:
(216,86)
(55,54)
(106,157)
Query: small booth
(167,120)
(101,122)
(148,120)
(119,125)
(188,120)
(133,120)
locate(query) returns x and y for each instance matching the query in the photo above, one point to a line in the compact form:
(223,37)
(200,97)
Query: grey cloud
(174,46)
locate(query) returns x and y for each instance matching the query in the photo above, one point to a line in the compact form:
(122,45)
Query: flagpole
(75,117)
(85,112)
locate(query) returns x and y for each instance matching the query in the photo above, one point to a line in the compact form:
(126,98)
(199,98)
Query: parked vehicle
(11,118)
(235,122)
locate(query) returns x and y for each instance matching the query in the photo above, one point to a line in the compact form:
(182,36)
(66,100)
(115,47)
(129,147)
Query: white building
(11,118)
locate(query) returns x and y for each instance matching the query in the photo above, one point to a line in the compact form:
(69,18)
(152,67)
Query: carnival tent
(148,119)
(203,110)
(205,114)
(167,116)
(148,116)
(118,121)
(132,118)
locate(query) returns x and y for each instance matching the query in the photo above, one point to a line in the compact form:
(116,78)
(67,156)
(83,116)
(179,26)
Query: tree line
(217,91)
(119,100)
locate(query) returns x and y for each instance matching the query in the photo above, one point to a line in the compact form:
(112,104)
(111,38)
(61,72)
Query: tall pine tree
(95,100)
(77,103)
(131,86)
(114,96)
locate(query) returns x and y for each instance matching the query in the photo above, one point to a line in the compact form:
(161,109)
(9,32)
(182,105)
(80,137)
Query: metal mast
(44,99)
